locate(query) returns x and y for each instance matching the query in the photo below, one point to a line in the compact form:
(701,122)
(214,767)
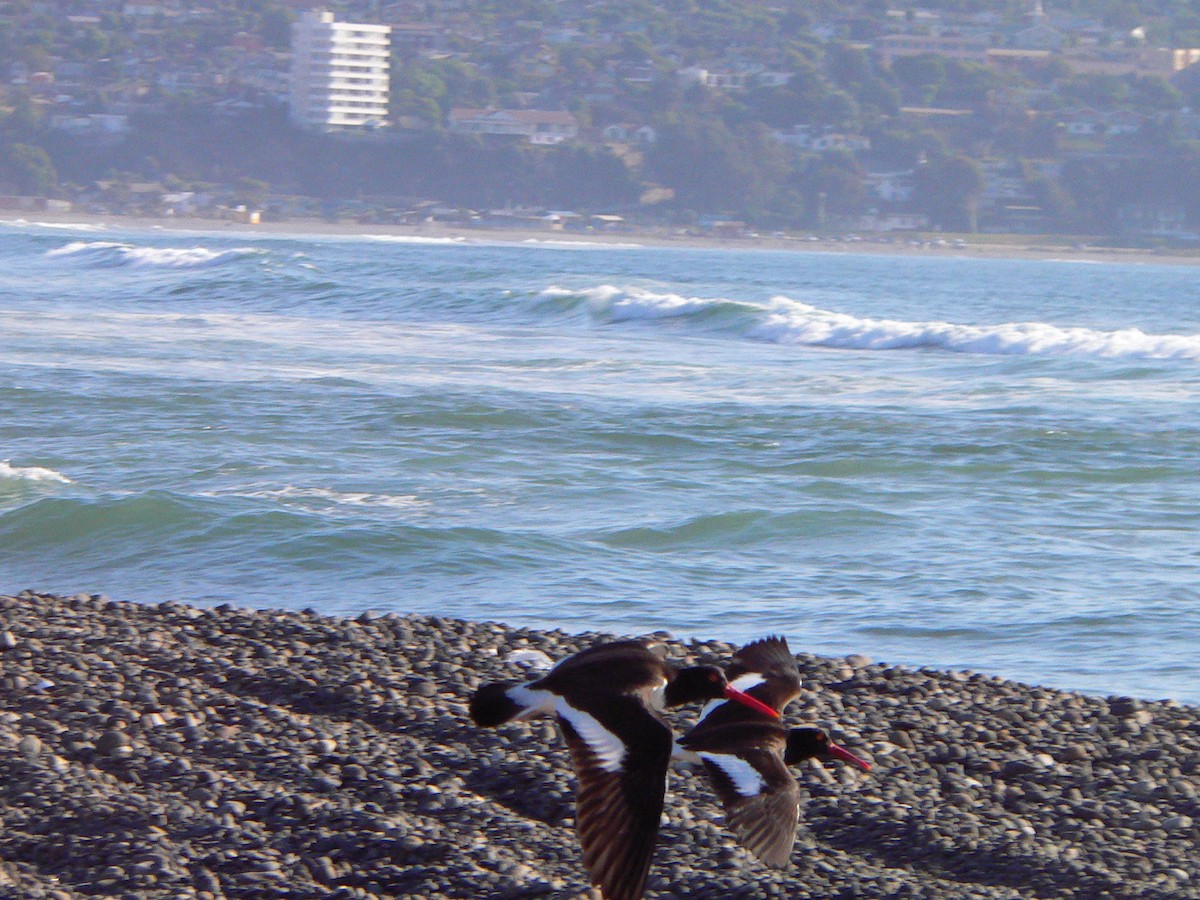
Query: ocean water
(983,464)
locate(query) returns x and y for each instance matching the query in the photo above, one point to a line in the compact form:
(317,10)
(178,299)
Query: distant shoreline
(1046,247)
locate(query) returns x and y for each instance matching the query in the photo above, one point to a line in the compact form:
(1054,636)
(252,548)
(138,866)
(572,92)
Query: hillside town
(723,116)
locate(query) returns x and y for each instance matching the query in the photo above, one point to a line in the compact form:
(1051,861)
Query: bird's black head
(709,683)
(807,743)
(694,684)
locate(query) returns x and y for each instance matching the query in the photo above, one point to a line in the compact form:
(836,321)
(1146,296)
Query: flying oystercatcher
(608,701)
(746,754)
(766,670)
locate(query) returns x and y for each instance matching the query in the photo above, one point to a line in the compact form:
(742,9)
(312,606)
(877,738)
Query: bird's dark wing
(615,668)
(620,752)
(761,800)
(770,658)
(744,763)
(766,670)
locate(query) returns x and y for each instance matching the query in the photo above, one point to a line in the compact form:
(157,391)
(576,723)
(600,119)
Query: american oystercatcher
(747,765)
(746,754)
(766,670)
(608,700)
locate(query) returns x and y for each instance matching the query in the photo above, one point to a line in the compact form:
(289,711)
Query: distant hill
(1069,115)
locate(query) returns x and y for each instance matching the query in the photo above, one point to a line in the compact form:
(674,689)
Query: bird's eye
(714,677)
(822,737)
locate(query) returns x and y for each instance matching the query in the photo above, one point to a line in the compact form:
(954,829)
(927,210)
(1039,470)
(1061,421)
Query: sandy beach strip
(168,751)
(1044,247)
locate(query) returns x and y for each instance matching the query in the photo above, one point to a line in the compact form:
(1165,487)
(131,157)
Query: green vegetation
(1081,139)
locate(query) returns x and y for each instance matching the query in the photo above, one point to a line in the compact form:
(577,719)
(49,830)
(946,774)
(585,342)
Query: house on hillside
(835,140)
(628,133)
(890,187)
(739,77)
(1187,124)
(967,47)
(725,81)
(1039,35)
(892,221)
(803,137)
(538,126)
(96,128)
(1149,219)
(1094,123)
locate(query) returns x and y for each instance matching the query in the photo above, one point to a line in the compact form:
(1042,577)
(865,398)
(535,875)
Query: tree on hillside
(714,170)
(585,177)
(833,184)
(28,169)
(1055,202)
(920,77)
(275,27)
(903,148)
(947,189)
(876,98)
(967,84)
(847,65)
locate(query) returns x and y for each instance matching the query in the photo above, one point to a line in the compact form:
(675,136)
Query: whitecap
(31,473)
(602,292)
(412,239)
(120,253)
(182,257)
(634,304)
(76,247)
(60,226)
(792,321)
(643,304)
(783,320)
(568,244)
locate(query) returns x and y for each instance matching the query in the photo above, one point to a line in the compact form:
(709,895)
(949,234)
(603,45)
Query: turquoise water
(935,461)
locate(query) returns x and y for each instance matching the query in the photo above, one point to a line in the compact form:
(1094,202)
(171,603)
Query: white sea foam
(488,240)
(783,320)
(791,321)
(568,244)
(60,226)
(30,473)
(119,253)
(631,304)
(76,247)
(412,239)
(326,497)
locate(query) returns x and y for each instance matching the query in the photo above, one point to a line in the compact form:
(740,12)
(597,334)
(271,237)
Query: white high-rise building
(339,73)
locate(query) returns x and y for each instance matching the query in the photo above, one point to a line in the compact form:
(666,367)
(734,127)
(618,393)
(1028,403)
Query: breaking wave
(783,320)
(412,239)
(117,253)
(61,226)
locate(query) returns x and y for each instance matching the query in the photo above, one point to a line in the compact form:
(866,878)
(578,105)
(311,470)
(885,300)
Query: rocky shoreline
(168,751)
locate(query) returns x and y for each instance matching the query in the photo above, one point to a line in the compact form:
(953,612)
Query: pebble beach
(171,751)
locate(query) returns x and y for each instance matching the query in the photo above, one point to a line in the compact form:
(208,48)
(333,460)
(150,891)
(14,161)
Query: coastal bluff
(171,751)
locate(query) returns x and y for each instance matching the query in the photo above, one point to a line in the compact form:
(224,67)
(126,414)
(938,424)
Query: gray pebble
(191,752)
(29,746)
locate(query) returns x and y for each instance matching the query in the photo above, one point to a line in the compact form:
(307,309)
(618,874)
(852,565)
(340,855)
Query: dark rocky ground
(176,752)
